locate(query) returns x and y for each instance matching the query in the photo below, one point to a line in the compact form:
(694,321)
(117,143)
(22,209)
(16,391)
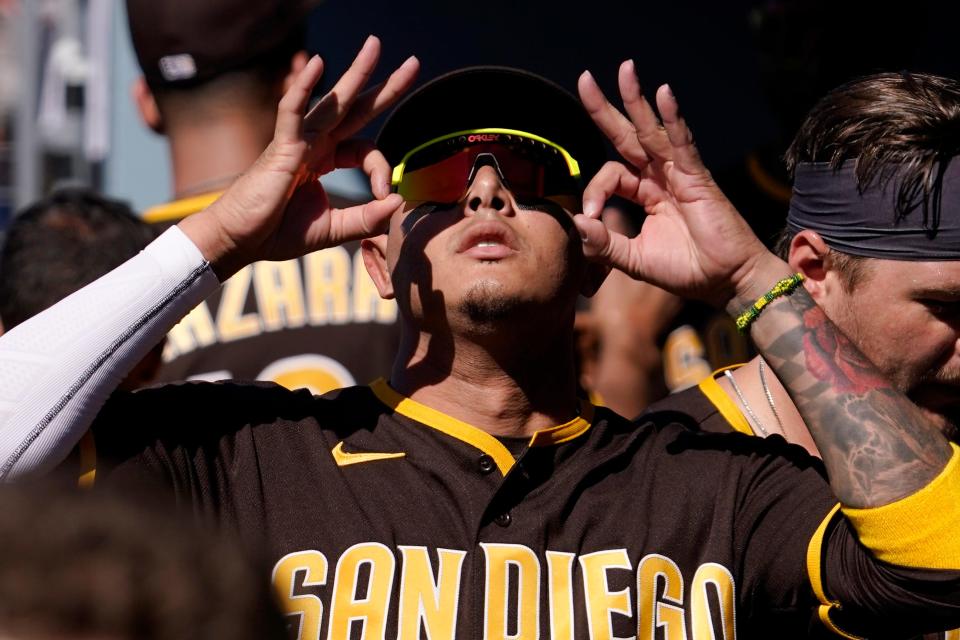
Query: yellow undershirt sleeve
(919,531)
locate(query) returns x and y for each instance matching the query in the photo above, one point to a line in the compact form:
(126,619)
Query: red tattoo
(832,358)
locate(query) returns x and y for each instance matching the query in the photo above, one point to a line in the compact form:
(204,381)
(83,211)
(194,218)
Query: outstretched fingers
(376,100)
(650,133)
(685,154)
(334,106)
(294,102)
(614,125)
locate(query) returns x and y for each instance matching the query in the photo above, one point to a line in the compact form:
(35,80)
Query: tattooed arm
(877,446)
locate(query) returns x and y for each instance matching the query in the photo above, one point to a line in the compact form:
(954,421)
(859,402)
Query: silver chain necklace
(773,406)
(766,392)
(753,417)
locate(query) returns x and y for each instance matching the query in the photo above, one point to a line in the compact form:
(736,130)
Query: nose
(487,193)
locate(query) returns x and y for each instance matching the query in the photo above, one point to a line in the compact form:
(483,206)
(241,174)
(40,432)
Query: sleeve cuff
(919,531)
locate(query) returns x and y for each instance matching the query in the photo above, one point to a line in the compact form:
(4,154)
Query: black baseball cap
(181,42)
(493,97)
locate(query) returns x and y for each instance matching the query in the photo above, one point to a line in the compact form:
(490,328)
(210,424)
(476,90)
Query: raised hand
(878,447)
(693,243)
(278,208)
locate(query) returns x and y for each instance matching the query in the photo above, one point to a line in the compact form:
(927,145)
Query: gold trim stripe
(88,461)
(815,557)
(180,208)
(474,436)
(440,421)
(567,431)
(724,403)
(815,573)
(824,613)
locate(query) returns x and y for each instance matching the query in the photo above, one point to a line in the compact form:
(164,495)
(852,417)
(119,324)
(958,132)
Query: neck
(207,156)
(749,381)
(512,390)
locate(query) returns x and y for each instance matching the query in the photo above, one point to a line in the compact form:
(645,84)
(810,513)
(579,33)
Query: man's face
(485,259)
(905,317)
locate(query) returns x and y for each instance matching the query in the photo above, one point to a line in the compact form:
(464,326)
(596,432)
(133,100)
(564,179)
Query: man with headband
(874,226)
(474,495)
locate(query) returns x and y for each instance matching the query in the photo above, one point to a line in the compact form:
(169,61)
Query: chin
(488,303)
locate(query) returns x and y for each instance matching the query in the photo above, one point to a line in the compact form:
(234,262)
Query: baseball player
(872,226)
(472,494)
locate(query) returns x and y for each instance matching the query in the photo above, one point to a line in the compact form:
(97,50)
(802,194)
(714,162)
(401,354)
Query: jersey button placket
(503,520)
(486,464)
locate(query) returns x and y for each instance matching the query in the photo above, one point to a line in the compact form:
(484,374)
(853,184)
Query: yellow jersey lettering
(601,602)
(310,371)
(369,611)
(195,330)
(232,322)
(328,285)
(279,290)
(500,559)
(716,579)
(560,576)
(658,609)
(307,606)
(428,606)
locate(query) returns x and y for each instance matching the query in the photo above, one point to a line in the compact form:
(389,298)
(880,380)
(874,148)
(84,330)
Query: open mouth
(488,241)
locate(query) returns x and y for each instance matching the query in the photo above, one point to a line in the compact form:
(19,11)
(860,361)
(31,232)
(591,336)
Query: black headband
(866,223)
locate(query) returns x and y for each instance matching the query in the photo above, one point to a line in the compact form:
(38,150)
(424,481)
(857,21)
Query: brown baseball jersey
(708,408)
(386,518)
(315,322)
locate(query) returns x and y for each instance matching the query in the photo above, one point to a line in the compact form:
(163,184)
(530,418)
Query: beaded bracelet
(782,288)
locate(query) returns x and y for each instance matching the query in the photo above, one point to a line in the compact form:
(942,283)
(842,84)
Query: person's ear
(808,256)
(374,253)
(147,105)
(595,275)
(297,63)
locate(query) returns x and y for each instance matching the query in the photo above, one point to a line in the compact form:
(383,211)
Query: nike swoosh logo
(344,459)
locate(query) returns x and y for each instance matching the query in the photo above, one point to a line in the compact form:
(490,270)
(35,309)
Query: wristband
(782,288)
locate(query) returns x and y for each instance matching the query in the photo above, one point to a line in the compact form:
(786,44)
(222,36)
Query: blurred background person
(621,331)
(8,103)
(57,246)
(91,565)
(213,73)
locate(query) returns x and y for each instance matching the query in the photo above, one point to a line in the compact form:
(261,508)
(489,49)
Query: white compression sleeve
(58,368)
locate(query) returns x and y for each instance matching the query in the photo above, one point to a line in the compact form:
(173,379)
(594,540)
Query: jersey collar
(474,436)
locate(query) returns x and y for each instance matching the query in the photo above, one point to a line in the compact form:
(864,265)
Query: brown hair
(903,124)
(886,122)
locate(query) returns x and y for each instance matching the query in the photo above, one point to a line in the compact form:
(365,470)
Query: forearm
(877,445)
(60,366)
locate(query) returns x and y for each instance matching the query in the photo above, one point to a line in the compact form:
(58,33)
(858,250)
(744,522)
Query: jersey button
(485,463)
(504,519)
